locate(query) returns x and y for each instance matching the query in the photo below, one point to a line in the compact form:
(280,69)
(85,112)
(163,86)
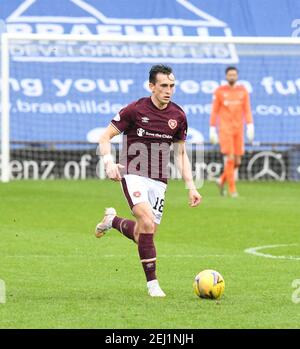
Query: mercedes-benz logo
(266,164)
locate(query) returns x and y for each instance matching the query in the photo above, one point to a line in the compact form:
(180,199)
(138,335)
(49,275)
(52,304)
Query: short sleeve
(123,119)
(181,133)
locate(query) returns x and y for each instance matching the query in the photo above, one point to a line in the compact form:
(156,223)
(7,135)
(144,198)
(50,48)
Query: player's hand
(113,171)
(250,132)
(213,136)
(194,198)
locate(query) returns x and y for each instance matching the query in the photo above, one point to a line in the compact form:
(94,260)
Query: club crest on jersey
(140,132)
(137,194)
(172,124)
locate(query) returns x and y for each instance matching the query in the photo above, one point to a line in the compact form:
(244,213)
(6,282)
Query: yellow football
(209,284)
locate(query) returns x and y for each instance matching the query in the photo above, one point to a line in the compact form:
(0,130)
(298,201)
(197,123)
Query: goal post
(5,132)
(59,91)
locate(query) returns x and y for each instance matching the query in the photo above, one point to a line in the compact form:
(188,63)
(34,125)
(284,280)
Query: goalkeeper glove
(213,136)
(250,132)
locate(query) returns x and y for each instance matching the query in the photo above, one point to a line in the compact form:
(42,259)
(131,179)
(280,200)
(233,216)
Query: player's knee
(149,226)
(237,161)
(148,223)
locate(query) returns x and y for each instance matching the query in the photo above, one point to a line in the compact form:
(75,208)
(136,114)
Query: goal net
(58,93)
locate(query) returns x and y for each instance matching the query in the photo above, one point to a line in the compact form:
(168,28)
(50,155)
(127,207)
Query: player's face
(163,89)
(232,77)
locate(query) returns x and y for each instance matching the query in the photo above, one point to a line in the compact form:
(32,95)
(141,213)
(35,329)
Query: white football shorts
(139,189)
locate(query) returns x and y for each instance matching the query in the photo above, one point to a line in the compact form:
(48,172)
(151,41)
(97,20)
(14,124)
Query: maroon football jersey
(148,135)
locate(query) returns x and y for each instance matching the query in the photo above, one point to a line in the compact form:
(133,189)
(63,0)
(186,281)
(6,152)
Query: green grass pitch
(58,275)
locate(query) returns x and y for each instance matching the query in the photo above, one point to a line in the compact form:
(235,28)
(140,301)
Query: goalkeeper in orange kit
(230,110)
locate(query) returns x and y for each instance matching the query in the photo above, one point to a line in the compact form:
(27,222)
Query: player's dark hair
(159,68)
(231,68)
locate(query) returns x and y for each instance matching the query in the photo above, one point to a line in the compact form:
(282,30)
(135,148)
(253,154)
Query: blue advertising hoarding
(69,92)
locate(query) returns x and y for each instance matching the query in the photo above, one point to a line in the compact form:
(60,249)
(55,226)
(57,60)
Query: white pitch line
(120,256)
(179,256)
(253,250)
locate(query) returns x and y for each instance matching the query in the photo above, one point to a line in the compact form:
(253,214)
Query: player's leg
(238,152)
(152,212)
(221,181)
(138,190)
(237,164)
(156,197)
(227,149)
(229,170)
(145,229)
(111,220)
(237,161)
(134,192)
(144,234)
(146,205)
(125,226)
(236,172)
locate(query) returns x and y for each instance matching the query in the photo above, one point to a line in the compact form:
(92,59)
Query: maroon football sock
(125,226)
(147,254)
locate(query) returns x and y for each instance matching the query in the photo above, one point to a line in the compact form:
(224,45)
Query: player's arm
(213,136)
(184,166)
(112,169)
(249,118)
